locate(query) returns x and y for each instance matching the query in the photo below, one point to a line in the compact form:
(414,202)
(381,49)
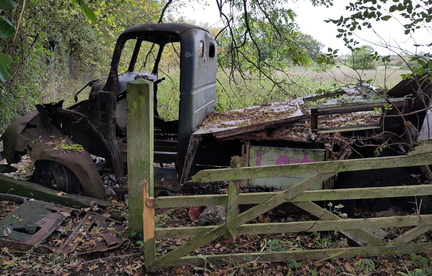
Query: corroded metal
(34,221)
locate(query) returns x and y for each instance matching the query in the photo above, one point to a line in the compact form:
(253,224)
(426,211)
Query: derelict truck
(74,147)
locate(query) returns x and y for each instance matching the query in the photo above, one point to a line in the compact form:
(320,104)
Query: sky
(311,20)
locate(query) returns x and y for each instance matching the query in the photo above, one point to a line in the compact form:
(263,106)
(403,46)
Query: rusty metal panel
(263,156)
(255,118)
(32,224)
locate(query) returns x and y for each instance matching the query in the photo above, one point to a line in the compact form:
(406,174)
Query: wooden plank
(190,246)
(358,106)
(363,193)
(139,148)
(245,160)
(412,234)
(232,204)
(281,197)
(28,189)
(360,234)
(310,195)
(301,226)
(317,167)
(189,200)
(190,157)
(348,128)
(317,254)
(148,226)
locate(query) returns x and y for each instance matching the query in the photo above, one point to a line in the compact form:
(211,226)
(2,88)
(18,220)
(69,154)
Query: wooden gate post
(140,135)
(232,204)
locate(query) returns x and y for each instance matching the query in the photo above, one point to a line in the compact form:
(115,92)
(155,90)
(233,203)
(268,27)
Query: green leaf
(5,60)
(6,28)
(34,1)
(4,74)
(385,18)
(7,4)
(88,13)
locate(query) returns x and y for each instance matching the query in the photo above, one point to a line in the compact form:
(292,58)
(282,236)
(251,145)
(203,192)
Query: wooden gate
(361,230)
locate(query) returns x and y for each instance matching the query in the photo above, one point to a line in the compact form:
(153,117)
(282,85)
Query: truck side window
(212,50)
(168,96)
(201,49)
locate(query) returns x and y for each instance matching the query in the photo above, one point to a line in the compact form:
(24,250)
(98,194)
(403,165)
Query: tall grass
(235,92)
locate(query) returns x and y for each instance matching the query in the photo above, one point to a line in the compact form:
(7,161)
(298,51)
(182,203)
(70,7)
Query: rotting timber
(75,147)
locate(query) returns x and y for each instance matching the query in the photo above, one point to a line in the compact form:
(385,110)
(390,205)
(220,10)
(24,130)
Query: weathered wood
(316,167)
(317,254)
(241,219)
(321,213)
(363,193)
(190,157)
(348,128)
(310,195)
(190,246)
(280,198)
(232,204)
(300,195)
(359,106)
(148,226)
(188,201)
(302,226)
(245,160)
(412,234)
(139,147)
(9,185)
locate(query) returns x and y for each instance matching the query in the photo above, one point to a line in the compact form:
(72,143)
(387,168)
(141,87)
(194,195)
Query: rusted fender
(36,136)
(14,142)
(79,162)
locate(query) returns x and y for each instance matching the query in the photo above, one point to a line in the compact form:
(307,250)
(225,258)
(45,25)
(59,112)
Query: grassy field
(234,92)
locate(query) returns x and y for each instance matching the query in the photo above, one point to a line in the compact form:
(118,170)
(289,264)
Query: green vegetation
(363,58)
(50,49)
(59,46)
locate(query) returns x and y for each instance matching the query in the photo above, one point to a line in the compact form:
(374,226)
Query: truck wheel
(56,176)
(377,178)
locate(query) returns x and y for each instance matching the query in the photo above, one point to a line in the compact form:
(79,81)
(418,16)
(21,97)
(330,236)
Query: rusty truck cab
(98,123)
(197,86)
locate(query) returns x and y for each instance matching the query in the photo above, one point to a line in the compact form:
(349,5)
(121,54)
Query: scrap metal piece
(31,225)
(108,240)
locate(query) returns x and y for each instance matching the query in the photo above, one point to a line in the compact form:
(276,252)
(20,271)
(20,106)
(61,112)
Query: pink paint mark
(258,158)
(282,160)
(305,159)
